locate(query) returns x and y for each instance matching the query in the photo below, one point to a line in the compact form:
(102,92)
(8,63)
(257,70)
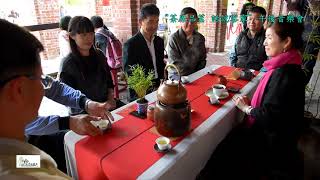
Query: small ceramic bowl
(163,143)
(104,124)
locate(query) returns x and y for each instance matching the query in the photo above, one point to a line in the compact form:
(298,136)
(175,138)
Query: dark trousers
(240,157)
(53,145)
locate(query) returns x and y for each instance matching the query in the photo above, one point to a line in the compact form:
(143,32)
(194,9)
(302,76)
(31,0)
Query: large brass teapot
(172,110)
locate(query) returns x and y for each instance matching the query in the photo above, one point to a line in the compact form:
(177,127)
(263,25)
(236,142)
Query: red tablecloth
(127,150)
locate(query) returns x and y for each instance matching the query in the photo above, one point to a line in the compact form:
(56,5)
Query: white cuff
(86,107)
(248,110)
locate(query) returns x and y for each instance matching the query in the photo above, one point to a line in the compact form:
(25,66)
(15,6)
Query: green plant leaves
(139,81)
(315,39)
(308,57)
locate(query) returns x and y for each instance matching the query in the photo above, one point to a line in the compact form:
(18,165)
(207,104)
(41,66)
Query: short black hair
(64,22)
(189,10)
(147,10)
(97,21)
(19,51)
(258,9)
(286,29)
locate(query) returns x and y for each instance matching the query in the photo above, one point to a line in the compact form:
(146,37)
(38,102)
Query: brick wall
(214,33)
(121,16)
(47,11)
(276,7)
(207,28)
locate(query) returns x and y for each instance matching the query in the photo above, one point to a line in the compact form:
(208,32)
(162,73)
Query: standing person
(268,144)
(64,45)
(245,10)
(248,51)
(186,47)
(21,91)
(101,41)
(145,48)
(84,68)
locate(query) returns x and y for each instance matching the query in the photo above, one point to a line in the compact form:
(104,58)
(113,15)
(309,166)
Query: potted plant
(140,82)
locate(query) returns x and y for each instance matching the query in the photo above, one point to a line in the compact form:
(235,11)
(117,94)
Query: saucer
(224,95)
(218,102)
(161,151)
(185,82)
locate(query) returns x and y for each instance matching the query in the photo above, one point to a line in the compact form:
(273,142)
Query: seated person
(21,92)
(84,68)
(248,51)
(245,9)
(266,145)
(47,133)
(186,47)
(145,48)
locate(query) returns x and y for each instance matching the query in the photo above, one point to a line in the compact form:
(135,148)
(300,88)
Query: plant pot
(142,106)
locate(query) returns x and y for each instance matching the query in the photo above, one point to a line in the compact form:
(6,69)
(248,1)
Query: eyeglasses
(46,80)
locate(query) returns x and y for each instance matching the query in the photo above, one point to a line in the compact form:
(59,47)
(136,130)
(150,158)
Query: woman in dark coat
(266,144)
(85,68)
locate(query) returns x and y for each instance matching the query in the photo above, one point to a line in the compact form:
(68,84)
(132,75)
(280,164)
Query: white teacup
(103,124)
(163,143)
(219,89)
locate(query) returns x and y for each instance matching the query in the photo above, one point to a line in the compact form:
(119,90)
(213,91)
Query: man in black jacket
(248,51)
(145,48)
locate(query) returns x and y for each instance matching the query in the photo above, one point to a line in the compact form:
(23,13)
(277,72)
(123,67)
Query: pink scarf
(290,57)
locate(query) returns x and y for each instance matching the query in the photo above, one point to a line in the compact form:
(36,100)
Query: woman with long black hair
(85,68)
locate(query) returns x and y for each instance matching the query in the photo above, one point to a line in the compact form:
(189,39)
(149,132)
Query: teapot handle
(166,72)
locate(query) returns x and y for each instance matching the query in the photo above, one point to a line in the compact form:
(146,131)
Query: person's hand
(99,109)
(111,104)
(81,125)
(246,99)
(242,102)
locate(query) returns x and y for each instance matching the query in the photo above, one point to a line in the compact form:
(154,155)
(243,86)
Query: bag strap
(110,36)
(100,31)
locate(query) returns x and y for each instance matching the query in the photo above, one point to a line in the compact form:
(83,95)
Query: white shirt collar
(143,34)
(152,53)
